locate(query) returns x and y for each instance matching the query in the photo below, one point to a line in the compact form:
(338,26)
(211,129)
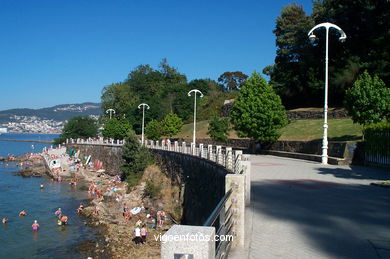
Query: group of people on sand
(140,231)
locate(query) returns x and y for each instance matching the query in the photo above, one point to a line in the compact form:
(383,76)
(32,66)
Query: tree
(171,124)
(219,128)
(258,112)
(154,130)
(116,129)
(78,127)
(294,76)
(368,101)
(136,159)
(232,80)
(298,72)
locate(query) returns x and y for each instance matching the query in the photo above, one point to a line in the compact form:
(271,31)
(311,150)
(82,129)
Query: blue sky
(64,51)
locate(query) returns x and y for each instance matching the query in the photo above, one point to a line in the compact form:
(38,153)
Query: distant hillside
(57,113)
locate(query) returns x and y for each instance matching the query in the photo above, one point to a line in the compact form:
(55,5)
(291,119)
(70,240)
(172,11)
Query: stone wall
(335,113)
(202,183)
(298,114)
(111,156)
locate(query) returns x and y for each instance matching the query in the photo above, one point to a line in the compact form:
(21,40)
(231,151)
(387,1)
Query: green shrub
(219,128)
(377,138)
(136,159)
(152,190)
(154,130)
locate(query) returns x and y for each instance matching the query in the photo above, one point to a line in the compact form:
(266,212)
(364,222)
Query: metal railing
(223,226)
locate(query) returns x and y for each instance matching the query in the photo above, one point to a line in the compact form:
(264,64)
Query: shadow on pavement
(356,172)
(337,220)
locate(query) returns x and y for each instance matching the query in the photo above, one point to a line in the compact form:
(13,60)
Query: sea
(17,240)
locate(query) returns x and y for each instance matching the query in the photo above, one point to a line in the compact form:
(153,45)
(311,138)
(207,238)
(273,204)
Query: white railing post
(229,158)
(237,161)
(218,155)
(210,152)
(176,146)
(183,147)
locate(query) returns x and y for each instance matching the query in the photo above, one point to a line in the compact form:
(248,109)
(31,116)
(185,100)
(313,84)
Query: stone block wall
(111,156)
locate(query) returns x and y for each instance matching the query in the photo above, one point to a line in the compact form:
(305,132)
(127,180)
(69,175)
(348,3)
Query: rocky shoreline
(105,212)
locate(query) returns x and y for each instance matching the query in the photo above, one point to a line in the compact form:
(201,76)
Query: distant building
(3,130)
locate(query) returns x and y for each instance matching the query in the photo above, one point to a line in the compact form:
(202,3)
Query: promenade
(302,209)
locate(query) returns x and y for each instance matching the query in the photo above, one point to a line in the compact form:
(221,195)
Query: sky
(65,51)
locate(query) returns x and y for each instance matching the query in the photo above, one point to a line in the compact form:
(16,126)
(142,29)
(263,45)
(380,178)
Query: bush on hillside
(219,128)
(136,159)
(258,112)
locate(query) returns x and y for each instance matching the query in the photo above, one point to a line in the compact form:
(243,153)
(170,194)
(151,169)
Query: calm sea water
(17,240)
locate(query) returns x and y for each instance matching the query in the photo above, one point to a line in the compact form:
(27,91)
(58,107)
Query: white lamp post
(143,119)
(111,111)
(195,91)
(342,38)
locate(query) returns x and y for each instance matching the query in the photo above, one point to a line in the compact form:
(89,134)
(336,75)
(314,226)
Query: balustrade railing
(222,219)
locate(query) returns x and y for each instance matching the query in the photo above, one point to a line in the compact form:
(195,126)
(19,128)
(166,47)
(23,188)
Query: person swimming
(4,220)
(41,185)
(64,220)
(35,225)
(58,213)
(23,213)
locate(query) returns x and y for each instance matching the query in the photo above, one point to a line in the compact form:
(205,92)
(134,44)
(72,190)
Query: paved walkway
(302,209)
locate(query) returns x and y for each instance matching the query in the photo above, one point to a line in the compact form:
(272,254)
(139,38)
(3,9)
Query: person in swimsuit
(35,225)
(64,220)
(22,213)
(4,220)
(58,213)
(80,208)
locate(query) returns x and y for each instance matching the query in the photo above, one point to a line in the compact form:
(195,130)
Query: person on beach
(35,225)
(143,234)
(128,216)
(138,223)
(125,208)
(58,213)
(96,210)
(80,208)
(4,220)
(137,236)
(161,218)
(23,213)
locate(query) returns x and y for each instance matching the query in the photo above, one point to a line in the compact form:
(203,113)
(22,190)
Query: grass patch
(339,130)
(304,130)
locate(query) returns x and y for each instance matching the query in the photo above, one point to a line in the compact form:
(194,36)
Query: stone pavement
(302,209)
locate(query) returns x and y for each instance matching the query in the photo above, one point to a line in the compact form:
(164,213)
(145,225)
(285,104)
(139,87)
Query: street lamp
(312,38)
(111,111)
(143,119)
(195,91)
